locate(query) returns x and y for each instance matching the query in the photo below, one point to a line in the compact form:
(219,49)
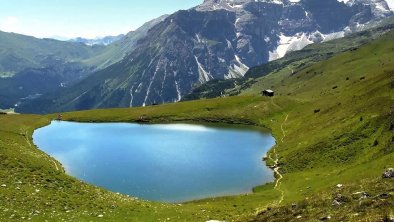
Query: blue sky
(83,18)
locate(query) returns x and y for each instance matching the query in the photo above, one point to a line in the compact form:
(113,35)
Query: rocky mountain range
(219,39)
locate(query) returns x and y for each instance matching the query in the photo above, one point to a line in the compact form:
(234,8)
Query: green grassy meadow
(333,122)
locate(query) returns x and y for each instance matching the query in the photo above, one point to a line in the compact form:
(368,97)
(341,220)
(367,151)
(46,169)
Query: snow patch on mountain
(289,43)
(233,5)
(299,41)
(132,96)
(390,3)
(242,68)
(344,1)
(380,6)
(178,92)
(204,76)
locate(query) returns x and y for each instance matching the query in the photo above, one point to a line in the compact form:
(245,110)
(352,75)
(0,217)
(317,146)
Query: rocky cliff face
(218,39)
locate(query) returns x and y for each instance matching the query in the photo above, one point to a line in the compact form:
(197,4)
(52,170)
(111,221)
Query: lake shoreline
(210,122)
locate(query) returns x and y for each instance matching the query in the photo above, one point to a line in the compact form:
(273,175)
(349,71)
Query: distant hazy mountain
(30,66)
(98,41)
(218,39)
(58,37)
(18,52)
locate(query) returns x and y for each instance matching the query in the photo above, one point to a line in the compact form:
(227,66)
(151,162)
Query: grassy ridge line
(241,109)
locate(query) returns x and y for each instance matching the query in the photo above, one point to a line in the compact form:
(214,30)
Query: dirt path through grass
(276,161)
(281,127)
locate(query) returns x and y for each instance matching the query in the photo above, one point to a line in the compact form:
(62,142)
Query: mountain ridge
(191,47)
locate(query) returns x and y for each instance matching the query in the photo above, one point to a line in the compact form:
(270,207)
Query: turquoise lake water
(163,162)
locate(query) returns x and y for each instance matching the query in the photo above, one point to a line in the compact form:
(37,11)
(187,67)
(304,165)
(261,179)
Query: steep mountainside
(216,40)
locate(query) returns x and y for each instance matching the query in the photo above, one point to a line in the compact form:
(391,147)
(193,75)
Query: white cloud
(10,24)
(17,25)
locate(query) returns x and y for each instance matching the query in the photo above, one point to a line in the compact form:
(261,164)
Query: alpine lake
(161,162)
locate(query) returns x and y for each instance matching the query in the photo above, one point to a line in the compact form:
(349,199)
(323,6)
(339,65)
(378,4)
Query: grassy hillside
(333,121)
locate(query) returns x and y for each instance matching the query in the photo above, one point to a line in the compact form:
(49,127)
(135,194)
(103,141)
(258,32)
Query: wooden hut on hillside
(268,92)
